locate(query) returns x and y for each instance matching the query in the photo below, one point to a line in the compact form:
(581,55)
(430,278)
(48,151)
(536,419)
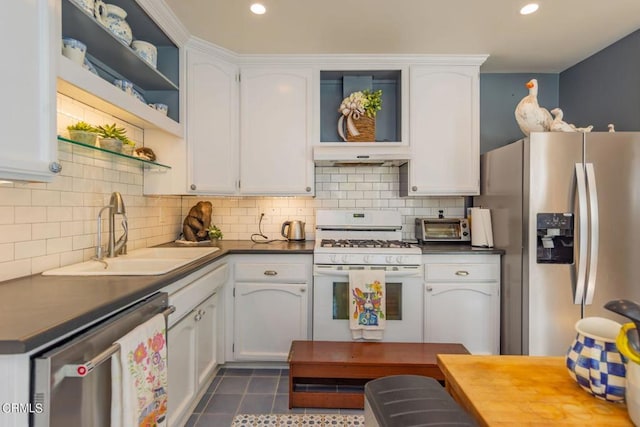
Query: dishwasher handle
(84,369)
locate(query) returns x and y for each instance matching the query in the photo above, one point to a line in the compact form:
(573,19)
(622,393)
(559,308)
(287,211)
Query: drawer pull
(462,273)
(270,273)
(429,289)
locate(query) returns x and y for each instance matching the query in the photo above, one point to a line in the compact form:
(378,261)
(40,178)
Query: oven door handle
(345,273)
(84,369)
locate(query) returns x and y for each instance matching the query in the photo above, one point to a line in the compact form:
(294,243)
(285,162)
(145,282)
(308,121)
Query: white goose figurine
(559,125)
(529,115)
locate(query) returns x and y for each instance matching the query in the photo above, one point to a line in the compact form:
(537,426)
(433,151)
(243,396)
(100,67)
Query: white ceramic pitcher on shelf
(113,17)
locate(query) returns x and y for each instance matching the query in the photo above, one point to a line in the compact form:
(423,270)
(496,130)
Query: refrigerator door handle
(581,280)
(593,233)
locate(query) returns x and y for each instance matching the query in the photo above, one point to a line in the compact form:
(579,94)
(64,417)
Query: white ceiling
(559,35)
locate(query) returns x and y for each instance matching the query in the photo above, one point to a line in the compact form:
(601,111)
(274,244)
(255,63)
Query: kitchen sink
(140,262)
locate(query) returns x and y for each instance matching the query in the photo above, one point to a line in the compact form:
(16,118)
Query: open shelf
(114,60)
(336,85)
(95,152)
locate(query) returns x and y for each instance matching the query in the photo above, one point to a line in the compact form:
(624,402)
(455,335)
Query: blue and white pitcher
(113,17)
(594,361)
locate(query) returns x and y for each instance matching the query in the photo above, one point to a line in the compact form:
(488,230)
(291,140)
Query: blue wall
(605,88)
(499,96)
(602,89)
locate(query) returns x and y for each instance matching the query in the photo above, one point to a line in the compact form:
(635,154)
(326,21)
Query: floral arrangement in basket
(359,109)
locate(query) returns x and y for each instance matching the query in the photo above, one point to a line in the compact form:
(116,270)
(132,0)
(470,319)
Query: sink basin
(140,262)
(177,253)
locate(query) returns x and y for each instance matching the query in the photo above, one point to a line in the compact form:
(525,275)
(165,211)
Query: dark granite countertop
(35,310)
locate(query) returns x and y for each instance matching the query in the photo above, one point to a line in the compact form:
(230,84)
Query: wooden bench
(351,363)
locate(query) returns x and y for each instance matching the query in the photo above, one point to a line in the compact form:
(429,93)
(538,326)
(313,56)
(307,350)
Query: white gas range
(365,239)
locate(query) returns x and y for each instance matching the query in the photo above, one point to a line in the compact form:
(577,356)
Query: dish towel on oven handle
(139,376)
(367,294)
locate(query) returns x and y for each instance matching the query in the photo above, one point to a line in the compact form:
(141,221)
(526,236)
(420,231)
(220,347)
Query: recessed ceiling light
(258,8)
(530,8)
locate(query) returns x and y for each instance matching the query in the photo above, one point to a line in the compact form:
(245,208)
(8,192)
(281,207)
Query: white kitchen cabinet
(192,347)
(444,132)
(462,301)
(193,338)
(30,48)
(206,340)
(271,306)
(275,131)
(181,357)
(212,123)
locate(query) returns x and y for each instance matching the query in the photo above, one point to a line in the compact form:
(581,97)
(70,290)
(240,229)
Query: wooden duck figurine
(529,115)
(559,125)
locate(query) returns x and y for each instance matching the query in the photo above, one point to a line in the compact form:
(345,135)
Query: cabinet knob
(270,273)
(414,188)
(197,317)
(193,186)
(429,289)
(303,289)
(462,273)
(55,167)
(308,189)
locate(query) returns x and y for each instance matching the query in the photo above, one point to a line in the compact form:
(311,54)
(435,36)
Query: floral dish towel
(368,304)
(139,376)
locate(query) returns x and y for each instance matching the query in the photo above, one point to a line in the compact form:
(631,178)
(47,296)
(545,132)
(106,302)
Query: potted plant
(214,234)
(128,146)
(83,132)
(112,137)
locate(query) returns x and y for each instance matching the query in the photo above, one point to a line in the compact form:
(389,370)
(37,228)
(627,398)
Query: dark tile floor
(248,391)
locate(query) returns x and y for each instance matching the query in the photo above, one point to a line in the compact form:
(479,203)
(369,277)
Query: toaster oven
(442,230)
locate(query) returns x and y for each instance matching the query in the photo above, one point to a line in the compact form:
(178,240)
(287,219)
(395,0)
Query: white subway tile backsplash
(15,196)
(7,214)
(30,249)
(6,252)
(32,214)
(15,233)
(58,245)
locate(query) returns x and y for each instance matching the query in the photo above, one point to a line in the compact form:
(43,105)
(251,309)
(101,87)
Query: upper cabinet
(275,130)
(29,147)
(110,56)
(444,132)
(212,124)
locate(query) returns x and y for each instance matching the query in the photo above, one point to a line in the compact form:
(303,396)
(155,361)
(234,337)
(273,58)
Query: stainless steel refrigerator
(566,208)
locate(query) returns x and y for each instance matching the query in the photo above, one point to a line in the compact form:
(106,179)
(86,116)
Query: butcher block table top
(525,391)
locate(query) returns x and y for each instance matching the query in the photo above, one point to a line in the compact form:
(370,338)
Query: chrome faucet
(119,247)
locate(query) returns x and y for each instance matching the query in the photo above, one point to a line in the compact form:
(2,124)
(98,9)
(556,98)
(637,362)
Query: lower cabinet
(192,356)
(462,301)
(271,306)
(268,316)
(192,339)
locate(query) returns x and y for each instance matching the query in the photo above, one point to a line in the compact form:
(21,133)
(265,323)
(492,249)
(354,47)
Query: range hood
(360,154)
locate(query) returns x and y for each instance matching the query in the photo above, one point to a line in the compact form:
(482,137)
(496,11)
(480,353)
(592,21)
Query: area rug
(281,420)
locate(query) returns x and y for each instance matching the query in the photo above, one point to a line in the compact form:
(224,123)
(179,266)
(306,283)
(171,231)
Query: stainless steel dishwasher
(71,380)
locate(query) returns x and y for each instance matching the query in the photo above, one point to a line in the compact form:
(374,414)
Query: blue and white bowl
(593,360)
(74,49)
(146,51)
(163,108)
(124,85)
